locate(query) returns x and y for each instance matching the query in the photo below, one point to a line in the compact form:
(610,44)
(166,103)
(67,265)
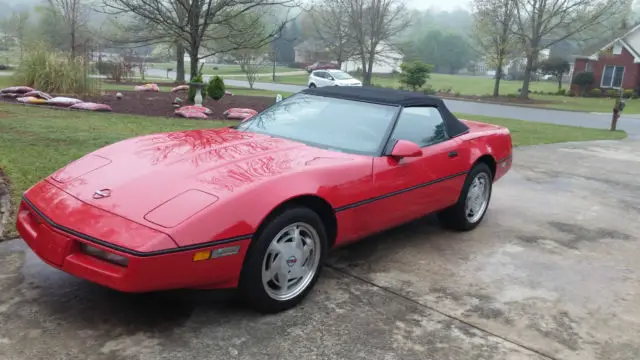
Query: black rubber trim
(129,251)
(374,199)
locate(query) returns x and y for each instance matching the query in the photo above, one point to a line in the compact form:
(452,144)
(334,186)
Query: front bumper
(60,246)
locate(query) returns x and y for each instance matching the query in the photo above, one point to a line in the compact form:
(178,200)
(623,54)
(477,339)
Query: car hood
(190,169)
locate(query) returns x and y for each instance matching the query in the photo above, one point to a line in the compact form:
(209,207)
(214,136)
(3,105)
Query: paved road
(552,273)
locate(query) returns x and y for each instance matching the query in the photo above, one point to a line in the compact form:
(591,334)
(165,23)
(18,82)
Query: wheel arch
(490,161)
(314,202)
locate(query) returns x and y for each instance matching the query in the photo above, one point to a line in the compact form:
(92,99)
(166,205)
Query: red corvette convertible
(258,205)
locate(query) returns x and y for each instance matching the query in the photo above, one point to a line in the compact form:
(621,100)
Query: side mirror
(406,148)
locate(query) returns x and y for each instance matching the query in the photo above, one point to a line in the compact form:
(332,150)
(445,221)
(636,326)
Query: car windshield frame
(245,126)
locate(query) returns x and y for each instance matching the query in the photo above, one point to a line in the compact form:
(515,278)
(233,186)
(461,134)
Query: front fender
(241,212)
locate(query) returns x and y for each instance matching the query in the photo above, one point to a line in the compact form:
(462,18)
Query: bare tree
(16,28)
(74,14)
(542,23)
(210,26)
(251,63)
(332,25)
(375,24)
(494,22)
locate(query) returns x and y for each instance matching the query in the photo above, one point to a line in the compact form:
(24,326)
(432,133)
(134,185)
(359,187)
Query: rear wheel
(473,202)
(312,85)
(284,262)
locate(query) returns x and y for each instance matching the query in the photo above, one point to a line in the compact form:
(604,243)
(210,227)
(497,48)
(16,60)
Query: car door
(320,78)
(412,187)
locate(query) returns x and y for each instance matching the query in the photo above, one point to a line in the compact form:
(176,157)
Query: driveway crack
(452,317)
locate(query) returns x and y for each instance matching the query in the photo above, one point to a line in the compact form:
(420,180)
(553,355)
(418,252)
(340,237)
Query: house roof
(592,51)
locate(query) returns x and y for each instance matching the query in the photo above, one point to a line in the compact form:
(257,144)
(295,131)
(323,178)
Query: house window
(612,76)
(587,67)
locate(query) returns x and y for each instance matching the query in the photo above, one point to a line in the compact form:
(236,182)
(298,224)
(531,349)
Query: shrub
(613,93)
(215,68)
(628,93)
(54,72)
(192,90)
(583,80)
(595,92)
(216,88)
(561,92)
(414,74)
(429,91)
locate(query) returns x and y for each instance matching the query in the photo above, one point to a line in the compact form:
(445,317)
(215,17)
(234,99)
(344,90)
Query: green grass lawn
(229,69)
(467,85)
(534,133)
(475,85)
(35,142)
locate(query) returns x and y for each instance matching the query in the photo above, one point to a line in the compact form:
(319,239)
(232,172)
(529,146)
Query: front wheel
(473,202)
(284,262)
(312,86)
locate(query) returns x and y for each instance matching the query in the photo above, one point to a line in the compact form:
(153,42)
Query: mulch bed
(160,103)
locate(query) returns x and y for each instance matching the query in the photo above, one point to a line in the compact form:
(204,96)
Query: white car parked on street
(331,77)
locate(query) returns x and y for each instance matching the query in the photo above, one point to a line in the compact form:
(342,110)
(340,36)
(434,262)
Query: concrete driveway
(551,274)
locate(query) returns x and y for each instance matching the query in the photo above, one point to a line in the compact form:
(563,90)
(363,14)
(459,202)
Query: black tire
(312,86)
(455,217)
(251,287)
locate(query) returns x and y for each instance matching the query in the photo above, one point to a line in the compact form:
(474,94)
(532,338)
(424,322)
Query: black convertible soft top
(394,97)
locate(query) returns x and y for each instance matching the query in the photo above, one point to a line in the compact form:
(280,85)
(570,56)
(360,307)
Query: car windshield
(341,75)
(331,123)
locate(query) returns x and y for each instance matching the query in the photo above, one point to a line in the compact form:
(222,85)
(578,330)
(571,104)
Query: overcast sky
(443,5)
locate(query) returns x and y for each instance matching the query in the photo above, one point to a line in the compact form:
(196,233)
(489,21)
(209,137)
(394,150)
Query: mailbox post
(617,109)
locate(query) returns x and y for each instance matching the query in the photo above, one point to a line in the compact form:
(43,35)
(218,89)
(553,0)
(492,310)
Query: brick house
(616,64)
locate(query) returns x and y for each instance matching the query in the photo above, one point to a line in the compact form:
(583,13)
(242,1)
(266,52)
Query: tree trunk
(366,80)
(527,77)
(496,84)
(559,83)
(274,67)
(179,63)
(73,43)
(369,69)
(193,55)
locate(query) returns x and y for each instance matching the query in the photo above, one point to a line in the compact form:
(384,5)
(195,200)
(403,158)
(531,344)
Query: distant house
(388,60)
(310,51)
(615,64)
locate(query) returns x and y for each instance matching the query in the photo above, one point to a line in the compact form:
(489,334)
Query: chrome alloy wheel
(477,197)
(291,261)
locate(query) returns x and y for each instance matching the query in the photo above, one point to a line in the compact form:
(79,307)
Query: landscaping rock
(91,106)
(160,103)
(16,90)
(147,87)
